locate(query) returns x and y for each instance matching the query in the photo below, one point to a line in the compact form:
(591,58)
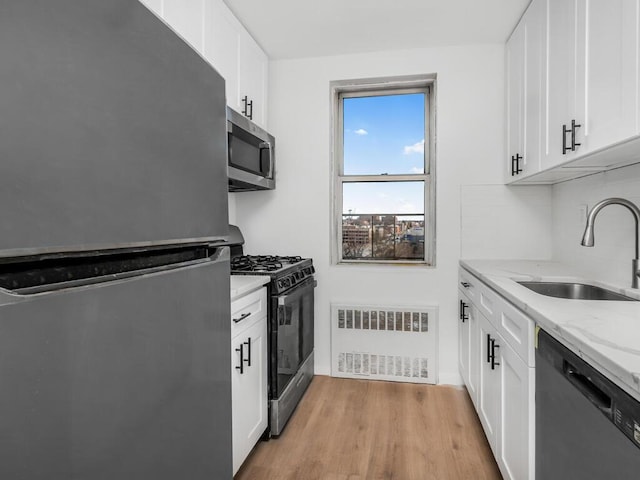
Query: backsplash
(610,259)
(505,222)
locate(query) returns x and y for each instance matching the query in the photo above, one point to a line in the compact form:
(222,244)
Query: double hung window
(383,190)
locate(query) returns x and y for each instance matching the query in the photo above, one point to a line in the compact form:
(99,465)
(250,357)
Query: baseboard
(449,378)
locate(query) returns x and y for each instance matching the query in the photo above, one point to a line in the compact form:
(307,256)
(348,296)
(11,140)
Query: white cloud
(415,148)
(361,131)
(417,170)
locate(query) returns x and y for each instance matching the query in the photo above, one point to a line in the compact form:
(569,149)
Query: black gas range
(285,272)
(291,320)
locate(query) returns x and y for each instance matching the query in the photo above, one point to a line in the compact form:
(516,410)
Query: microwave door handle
(267,145)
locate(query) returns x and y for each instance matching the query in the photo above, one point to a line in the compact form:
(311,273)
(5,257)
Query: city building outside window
(383,172)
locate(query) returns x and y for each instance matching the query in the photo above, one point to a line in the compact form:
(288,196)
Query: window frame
(376,87)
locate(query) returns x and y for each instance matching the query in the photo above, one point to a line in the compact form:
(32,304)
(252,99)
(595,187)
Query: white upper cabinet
(186,18)
(581,88)
(252,88)
(516,101)
(526,57)
(560,82)
(221,41)
(239,59)
(607,72)
(534,91)
(212,29)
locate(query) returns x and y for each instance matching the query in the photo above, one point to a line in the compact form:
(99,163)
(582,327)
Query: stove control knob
(281,283)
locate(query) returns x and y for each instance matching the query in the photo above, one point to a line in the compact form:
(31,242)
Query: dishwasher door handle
(590,390)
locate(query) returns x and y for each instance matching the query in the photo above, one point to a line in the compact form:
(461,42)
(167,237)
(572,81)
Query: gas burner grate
(262,263)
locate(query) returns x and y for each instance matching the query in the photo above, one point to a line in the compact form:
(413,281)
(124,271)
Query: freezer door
(127,379)
(112,133)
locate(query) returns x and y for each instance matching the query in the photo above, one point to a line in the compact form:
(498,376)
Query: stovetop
(263,263)
(285,271)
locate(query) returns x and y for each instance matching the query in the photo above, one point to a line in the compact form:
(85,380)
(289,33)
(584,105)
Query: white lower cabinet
(503,389)
(468,345)
(517,408)
(249,374)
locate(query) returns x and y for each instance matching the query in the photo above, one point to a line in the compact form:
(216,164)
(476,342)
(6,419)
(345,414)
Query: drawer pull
(248,344)
(242,317)
(465,284)
(242,360)
(494,345)
(463,314)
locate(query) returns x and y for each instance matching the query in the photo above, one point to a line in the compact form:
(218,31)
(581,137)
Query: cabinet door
(186,18)
(249,390)
(535,44)
(607,72)
(515,453)
(474,354)
(489,389)
(561,80)
(253,66)
(464,307)
(515,101)
(221,43)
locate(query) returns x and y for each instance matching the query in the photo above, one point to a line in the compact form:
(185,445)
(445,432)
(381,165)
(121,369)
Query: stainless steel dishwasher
(586,427)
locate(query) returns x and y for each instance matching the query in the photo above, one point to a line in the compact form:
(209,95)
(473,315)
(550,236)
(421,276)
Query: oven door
(291,333)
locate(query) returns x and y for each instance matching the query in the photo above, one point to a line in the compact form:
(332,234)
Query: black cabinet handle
(248,344)
(494,364)
(488,348)
(241,317)
(248,107)
(572,131)
(463,314)
(573,135)
(515,164)
(565,149)
(465,284)
(241,366)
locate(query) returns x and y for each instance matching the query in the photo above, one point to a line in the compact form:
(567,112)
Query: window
(383,192)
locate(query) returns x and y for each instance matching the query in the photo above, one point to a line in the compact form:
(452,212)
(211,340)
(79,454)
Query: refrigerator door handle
(58,271)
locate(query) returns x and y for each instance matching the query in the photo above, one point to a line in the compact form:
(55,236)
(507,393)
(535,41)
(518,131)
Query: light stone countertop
(243,284)
(606,334)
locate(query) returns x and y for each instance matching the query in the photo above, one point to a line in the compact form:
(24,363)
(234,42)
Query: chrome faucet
(588,237)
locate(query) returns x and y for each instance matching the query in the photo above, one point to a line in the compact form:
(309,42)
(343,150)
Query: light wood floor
(371,430)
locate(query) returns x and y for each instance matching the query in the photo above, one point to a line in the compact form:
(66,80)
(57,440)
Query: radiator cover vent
(384,342)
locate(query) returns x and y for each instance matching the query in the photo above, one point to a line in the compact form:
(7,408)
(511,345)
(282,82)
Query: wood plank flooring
(371,430)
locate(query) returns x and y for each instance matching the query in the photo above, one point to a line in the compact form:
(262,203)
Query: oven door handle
(302,290)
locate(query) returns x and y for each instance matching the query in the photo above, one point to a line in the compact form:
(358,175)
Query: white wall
(233,217)
(610,259)
(501,222)
(295,218)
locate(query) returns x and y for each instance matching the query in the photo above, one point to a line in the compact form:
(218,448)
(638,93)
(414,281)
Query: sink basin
(575,291)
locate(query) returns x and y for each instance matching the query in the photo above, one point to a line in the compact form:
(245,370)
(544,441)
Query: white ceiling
(310,28)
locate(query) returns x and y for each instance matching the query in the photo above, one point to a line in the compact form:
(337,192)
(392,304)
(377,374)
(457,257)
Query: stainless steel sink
(575,291)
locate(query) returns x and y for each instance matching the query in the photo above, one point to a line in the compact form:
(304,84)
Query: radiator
(384,343)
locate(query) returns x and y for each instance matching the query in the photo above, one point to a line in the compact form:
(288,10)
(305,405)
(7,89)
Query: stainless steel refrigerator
(114,284)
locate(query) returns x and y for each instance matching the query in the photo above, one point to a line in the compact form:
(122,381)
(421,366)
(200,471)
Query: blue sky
(384,134)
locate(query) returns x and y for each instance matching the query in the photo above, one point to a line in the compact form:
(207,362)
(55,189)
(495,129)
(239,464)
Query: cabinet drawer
(517,330)
(513,325)
(468,284)
(245,310)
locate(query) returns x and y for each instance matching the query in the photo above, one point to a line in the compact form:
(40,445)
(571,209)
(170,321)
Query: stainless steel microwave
(251,155)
